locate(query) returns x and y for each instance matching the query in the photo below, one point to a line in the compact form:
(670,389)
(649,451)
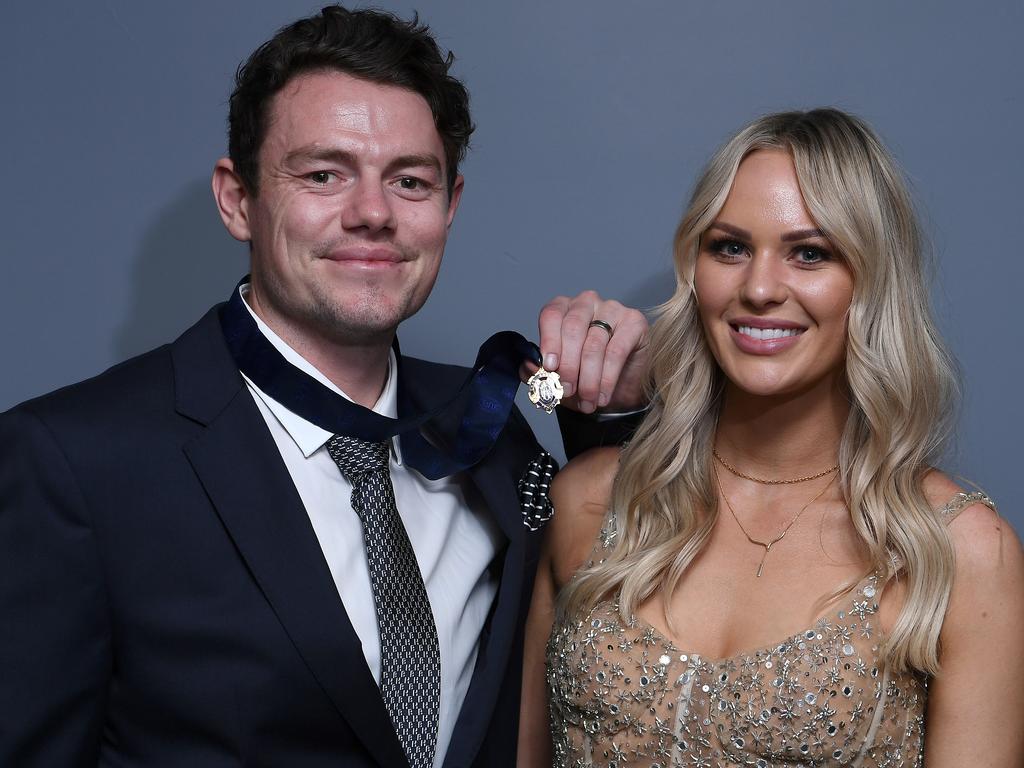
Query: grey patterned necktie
(410,659)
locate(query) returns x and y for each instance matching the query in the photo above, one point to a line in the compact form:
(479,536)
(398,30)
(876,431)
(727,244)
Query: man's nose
(368,206)
(764,283)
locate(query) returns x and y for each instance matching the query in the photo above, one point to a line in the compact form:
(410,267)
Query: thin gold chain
(768,481)
(768,545)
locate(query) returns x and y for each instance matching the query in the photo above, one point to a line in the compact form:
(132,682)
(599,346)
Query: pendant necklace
(768,544)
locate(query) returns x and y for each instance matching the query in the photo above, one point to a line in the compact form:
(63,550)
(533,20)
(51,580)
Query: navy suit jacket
(165,601)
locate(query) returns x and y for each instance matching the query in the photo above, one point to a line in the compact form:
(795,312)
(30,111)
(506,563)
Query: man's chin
(370,326)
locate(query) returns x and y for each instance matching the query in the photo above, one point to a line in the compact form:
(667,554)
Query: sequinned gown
(622,694)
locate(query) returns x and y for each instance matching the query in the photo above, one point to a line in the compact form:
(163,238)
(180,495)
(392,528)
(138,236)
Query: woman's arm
(975,710)
(579,494)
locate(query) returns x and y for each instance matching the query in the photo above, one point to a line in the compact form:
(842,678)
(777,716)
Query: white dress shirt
(452,533)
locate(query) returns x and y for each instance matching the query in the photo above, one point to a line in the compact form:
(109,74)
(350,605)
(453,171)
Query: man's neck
(358,370)
(359,367)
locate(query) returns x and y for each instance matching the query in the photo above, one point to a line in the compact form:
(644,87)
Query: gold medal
(545,389)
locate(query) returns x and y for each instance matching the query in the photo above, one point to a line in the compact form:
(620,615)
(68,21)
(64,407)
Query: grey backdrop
(593,120)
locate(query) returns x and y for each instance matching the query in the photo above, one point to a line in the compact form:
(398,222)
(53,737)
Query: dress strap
(605,540)
(608,532)
(961,501)
(949,513)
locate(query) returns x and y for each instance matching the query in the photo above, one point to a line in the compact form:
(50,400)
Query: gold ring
(601,324)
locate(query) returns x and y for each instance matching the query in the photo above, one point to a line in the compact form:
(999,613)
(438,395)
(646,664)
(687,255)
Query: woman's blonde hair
(901,381)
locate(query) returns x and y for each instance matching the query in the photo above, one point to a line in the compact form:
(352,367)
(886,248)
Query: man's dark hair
(369,44)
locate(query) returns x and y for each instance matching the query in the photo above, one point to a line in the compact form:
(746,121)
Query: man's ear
(232,199)
(454,198)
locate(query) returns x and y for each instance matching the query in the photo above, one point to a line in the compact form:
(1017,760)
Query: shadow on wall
(655,290)
(187,262)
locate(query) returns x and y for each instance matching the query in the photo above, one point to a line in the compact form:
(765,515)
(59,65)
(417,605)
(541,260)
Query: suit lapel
(241,469)
(495,479)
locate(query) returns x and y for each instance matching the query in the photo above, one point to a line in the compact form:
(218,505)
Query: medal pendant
(545,389)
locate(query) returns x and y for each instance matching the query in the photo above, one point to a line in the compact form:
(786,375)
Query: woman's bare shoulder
(972,521)
(580,495)
(989,558)
(586,481)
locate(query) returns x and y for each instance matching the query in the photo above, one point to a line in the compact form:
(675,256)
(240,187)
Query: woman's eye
(809,255)
(730,248)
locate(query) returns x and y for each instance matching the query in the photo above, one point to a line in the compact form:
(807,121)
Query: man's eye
(320,177)
(413,187)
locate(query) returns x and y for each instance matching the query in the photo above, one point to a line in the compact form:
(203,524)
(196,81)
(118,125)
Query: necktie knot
(355,457)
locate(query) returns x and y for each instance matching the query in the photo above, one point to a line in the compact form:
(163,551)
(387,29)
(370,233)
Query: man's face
(352,213)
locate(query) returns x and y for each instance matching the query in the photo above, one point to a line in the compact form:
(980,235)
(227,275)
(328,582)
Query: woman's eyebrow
(802,234)
(732,230)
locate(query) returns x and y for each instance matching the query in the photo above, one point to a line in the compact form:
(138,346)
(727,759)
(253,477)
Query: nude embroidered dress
(621,694)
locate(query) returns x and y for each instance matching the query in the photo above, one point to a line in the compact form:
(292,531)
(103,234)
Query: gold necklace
(768,481)
(768,544)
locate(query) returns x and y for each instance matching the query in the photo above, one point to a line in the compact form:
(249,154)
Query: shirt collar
(308,436)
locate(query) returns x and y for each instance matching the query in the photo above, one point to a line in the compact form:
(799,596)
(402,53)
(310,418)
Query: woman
(772,572)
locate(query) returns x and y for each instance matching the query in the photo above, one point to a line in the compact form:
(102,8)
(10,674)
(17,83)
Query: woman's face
(773,293)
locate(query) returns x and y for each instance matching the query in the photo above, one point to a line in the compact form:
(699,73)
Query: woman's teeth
(768,333)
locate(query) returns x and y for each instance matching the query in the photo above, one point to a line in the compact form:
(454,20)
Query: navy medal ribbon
(489,392)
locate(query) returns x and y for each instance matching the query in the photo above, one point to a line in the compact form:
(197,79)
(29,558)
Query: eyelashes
(726,247)
(731,248)
(817,255)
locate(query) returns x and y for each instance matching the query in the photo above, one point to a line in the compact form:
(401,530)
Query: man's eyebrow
(320,153)
(802,234)
(416,161)
(732,230)
(341,156)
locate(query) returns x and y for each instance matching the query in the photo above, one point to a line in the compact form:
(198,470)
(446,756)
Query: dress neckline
(870,608)
(948,512)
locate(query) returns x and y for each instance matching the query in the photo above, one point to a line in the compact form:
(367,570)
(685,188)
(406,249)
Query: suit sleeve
(55,647)
(581,432)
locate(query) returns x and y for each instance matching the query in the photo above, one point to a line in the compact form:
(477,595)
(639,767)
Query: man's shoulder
(443,373)
(102,421)
(141,385)
(125,384)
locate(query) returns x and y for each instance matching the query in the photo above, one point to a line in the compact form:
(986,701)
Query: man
(199,569)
